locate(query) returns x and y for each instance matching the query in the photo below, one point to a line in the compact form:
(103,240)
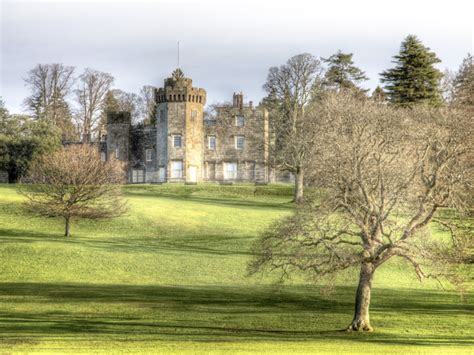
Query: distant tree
(414,79)
(463,83)
(118,100)
(74,183)
(23,139)
(378,94)
(342,74)
(290,89)
(50,84)
(91,95)
(385,173)
(148,104)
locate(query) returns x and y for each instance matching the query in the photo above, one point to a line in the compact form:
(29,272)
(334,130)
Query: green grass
(170,277)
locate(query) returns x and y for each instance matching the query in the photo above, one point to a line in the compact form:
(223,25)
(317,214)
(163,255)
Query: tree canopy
(414,79)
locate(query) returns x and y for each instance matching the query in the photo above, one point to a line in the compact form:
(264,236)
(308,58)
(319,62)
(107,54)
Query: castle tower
(180,130)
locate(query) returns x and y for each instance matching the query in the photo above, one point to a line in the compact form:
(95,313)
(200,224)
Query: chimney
(238,100)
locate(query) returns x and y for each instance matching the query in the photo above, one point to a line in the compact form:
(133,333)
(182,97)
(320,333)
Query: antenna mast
(178,56)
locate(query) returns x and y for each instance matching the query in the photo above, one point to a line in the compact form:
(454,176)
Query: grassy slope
(171,277)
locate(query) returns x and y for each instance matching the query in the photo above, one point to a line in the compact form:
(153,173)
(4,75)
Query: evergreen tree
(378,94)
(464,83)
(342,74)
(414,79)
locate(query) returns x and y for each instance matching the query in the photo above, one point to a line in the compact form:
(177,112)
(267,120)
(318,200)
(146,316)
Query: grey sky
(226,46)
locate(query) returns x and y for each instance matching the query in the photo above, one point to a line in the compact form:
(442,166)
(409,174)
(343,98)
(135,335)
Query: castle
(184,146)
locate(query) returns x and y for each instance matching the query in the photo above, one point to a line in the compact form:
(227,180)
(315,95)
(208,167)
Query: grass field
(170,277)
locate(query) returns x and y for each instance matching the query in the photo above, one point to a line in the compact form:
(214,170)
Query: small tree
(74,183)
(385,173)
(414,79)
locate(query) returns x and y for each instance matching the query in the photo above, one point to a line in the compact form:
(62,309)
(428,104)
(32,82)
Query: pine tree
(464,83)
(342,74)
(414,79)
(378,94)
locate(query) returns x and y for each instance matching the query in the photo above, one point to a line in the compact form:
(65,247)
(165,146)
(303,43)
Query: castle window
(177,141)
(193,115)
(169,99)
(176,169)
(200,97)
(117,153)
(162,116)
(189,97)
(239,121)
(149,154)
(211,142)
(239,142)
(193,98)
(230,171)
(174,97)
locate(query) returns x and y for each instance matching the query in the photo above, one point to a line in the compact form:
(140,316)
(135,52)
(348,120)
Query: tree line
(304,79)
(62,107)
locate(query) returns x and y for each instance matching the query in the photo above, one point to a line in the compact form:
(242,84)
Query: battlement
(180,89)
(121,117)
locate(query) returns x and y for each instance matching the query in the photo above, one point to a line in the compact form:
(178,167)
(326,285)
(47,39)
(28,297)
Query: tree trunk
(299,186)
(67,227)
(361,320)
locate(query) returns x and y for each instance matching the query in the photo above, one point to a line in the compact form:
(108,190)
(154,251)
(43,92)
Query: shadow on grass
(230,201)
(212,313)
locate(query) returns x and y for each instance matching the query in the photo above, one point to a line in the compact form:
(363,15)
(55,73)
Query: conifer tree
(464,83)
(342,74)
(414,79)
(378,94)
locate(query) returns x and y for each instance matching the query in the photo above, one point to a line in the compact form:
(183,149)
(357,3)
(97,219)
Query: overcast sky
(226,46)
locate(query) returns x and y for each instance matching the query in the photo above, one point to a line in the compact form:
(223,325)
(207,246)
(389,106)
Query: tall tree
(463,83)
(75,183)
(148,104)
(414,79)
(50,85)
(290,89)
(91,95)
(386,174)
(342,74)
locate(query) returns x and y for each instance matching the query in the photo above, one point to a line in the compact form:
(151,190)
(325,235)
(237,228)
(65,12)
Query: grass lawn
(170,277)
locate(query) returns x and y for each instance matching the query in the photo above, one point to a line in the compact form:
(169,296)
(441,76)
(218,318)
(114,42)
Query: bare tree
(91,96)
(50,85)
(385,174)
(148,104)
(74,183)
(290,88)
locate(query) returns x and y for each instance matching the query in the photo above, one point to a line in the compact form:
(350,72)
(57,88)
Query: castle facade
(185,146)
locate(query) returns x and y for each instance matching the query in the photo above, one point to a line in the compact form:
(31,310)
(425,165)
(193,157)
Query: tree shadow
(210,313)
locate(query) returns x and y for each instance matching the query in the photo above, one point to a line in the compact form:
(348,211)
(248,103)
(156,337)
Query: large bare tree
(74,183)
(91,95)
(290,88)
(384,174)
(50,84)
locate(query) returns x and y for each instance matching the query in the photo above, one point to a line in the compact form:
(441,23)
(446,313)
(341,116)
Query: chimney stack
(238,100)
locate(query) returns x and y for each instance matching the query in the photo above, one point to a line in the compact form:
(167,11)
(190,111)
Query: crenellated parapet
(177,88)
